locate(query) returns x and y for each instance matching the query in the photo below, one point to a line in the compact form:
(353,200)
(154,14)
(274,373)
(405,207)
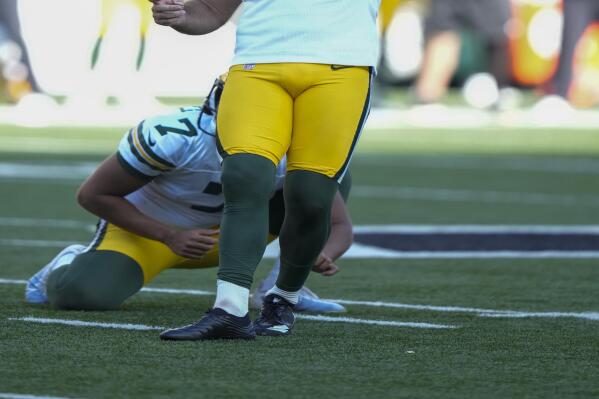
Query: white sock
(291,296)
(232,298)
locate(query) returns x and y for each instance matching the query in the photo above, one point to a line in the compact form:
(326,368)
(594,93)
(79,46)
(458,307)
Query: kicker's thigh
(255,113)
(115,266)
(211,258)
(328,119)
(112,268)
(151,256)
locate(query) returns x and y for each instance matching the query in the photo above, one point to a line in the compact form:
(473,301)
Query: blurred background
(450,61)
(474,187)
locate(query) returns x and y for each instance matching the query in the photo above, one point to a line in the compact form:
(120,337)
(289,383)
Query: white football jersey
(178,153)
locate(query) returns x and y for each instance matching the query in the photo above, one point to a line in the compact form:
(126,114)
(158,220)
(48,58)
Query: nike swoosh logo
(338,67)
(151,142)
(281,329)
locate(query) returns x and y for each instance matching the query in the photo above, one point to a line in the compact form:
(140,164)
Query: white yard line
(53,173)
(437,116)
(11,281)
(387,323)
(593,316)
(369,228)
(374,253)
(390,117)
(14,242)
(145,289)
(177,291)
(22,170)
(58,145)
(477,229)
(575,166)
(78,171)
(143,327)
(482,312)
(478,311)
(360,251)
(5,395)
(81,323)
(455,195)
(42,181)
(54,223)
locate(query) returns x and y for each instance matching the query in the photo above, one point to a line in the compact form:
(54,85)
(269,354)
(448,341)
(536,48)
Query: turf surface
(486,357)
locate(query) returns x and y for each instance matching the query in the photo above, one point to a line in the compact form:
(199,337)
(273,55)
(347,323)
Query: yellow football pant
(314,113)
(152,256)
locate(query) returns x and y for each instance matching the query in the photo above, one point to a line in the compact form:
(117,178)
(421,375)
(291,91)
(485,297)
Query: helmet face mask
(210,106)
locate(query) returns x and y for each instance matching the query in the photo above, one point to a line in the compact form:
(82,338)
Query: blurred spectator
(578,16)
(117,61)
(109,9)
(14,60)
(444,23)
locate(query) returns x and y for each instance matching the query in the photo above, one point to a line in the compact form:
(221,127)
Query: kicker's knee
(247,176)
(96,280)
(309,195)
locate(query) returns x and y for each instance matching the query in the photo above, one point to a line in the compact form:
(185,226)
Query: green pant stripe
(358,133)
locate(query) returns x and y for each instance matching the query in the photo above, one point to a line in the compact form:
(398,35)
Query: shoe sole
(169,338)
(243,335)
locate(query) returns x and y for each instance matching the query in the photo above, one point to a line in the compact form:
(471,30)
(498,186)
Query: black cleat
(276,317)
(216,324)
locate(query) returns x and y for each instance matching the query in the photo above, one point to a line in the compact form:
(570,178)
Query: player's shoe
(276,318)
(35,290)
(216,324)
(308,302)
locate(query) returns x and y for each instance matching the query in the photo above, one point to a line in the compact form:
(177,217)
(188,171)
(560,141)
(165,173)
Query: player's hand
(325,265)
(168,12)
(191,243)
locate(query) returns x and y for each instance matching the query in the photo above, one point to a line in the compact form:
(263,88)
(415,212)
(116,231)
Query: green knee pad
(308,200)
(95,280)
(248,181)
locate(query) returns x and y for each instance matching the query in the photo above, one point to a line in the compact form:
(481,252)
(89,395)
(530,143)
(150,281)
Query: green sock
(248,181)
(308,200)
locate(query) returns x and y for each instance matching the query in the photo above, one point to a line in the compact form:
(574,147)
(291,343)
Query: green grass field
(432,177)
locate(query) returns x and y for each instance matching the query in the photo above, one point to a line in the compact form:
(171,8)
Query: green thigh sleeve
(95,280)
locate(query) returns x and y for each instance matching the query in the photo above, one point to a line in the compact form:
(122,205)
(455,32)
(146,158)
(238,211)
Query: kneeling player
(160,203)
